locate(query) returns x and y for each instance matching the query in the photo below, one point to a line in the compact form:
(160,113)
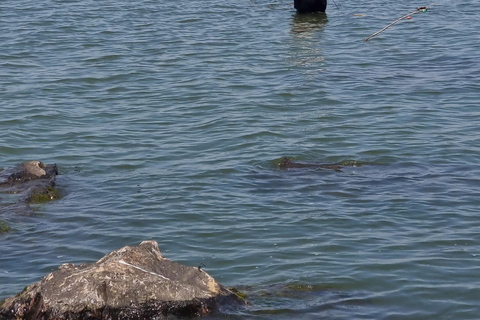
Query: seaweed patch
(4,227)
(49,194)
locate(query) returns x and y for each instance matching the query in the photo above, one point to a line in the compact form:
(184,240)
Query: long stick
(336,5)
(420,9)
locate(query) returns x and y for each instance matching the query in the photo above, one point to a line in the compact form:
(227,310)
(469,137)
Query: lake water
(167,120)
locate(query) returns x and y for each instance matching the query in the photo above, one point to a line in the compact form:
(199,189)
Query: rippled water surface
(167,120)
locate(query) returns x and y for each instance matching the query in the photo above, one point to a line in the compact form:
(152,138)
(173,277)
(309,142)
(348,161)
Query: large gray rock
(129,283)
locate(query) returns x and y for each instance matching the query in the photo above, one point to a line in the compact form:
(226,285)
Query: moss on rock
(4,227)
(48,194)
(238,293)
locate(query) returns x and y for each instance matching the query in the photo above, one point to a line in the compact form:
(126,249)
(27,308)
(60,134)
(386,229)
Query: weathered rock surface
(32,181)
(129,283)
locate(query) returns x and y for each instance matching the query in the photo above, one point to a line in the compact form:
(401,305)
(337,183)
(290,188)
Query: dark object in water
(27,171)
(287,163)
(308,6)
(33,181)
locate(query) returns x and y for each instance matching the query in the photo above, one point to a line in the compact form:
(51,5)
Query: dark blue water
(167,120)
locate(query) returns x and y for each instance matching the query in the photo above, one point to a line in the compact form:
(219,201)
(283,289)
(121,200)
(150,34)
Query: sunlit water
(167,120)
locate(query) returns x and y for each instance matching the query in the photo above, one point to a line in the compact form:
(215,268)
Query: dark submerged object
(33,181)
(308,6)
(287,163)
(128,283)
(27,171)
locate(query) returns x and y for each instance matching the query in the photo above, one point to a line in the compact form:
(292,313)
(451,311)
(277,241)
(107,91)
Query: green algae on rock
(44,195)
(242,295)
(4,227)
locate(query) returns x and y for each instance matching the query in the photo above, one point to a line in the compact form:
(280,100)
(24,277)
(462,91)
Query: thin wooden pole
(420,9)
(336,5)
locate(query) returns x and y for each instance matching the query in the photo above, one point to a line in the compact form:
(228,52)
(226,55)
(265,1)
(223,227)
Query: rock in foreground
(129,283)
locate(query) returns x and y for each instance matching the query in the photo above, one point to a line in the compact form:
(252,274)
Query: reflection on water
(307,25)
(306,47)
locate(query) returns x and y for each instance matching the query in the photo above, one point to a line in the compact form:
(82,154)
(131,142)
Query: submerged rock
(27,171)
(33,181)
(287,163)
(129,283)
